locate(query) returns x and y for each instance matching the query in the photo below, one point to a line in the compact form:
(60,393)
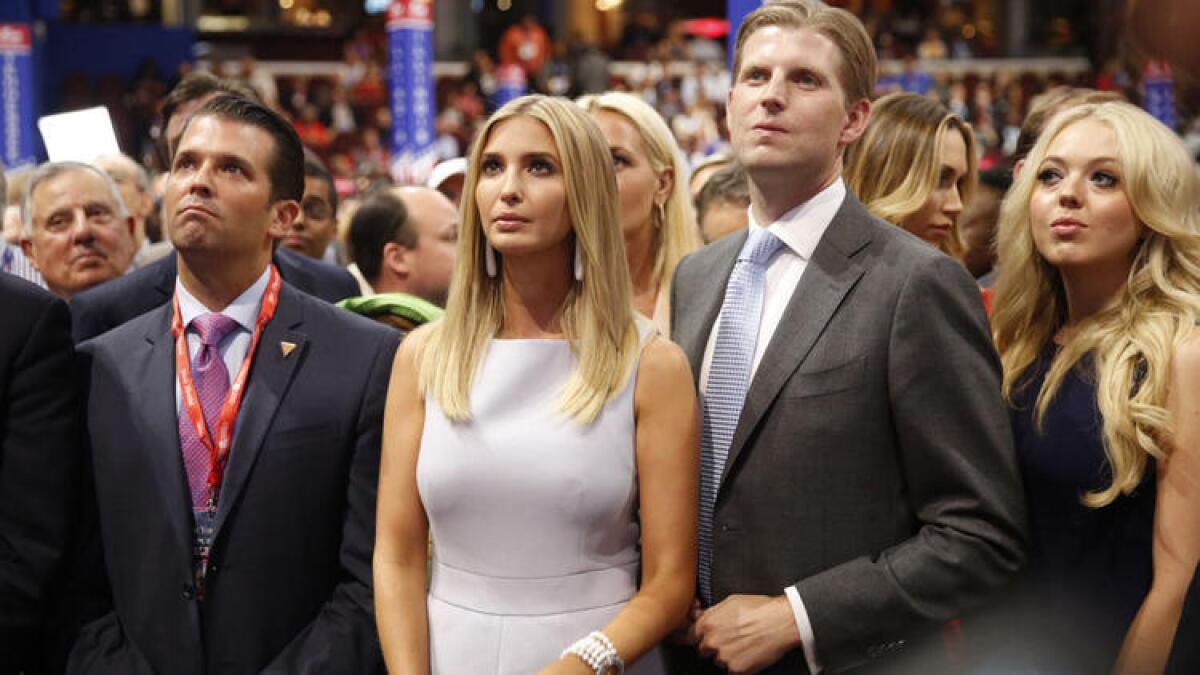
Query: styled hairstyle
(1130,342)
(3,183)
(286,165)
(51,170)
(676,233)
(728,185)
(858,67)
(896,164)
(197,85)
(315,168)
(380,220)
(597,317)
(1045,105)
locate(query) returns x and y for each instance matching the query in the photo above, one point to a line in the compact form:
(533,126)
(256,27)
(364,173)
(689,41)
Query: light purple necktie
(212,386)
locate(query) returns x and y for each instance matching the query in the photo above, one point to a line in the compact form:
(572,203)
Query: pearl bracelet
(597,651)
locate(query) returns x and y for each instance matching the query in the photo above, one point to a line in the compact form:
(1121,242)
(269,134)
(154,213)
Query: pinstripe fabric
(729,380)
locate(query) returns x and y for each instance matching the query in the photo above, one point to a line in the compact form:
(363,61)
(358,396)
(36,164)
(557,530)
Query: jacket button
(724,528)
(189,592)
(211,569)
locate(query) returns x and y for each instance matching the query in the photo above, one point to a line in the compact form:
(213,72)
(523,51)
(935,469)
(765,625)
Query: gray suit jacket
(873,464)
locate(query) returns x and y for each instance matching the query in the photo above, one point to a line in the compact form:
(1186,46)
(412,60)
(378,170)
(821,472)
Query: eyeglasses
(316,209)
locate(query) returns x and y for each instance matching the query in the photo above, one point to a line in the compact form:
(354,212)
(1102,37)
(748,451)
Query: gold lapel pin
(286,348)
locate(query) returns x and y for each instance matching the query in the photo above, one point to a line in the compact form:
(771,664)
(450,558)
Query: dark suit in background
(111,304)
(40,447)
(872,466)
(289,581)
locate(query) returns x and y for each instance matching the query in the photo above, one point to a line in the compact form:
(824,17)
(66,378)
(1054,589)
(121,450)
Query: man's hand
(747,633)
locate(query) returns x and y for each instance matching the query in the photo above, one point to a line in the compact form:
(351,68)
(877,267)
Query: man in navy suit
(235,437)
(113,303)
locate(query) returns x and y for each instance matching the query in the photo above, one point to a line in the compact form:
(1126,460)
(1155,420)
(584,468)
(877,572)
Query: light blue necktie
(729,380)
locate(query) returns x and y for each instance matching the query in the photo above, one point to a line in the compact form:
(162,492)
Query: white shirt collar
(802,227)
(243,309)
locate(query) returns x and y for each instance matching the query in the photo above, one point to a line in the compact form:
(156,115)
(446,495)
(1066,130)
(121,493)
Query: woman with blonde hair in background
(915,167)
(1097,303)
(541,432)
(657,217)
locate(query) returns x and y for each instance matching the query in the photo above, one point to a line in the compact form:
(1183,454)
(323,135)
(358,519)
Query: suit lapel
(829,276)
(156,372)
(270,376)
(697,322)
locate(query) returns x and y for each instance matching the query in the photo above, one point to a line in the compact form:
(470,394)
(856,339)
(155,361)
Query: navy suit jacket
(289,582)
(40,447)
(100,309)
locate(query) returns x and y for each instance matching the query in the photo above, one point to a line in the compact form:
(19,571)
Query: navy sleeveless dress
(1089,569)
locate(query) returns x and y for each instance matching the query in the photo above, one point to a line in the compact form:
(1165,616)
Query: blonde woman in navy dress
(541,432)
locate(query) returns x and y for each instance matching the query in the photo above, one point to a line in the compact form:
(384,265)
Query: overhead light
(606,5)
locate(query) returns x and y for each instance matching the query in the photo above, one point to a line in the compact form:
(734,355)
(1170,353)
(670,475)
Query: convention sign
(411,87)
(736,10)
(1159,92)
(510,83)
(17,121)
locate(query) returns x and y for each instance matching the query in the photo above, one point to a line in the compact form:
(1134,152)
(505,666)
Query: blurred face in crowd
(787,111)
(218,195)
(935,220)
(1079,213)
(124,172)
(79,236)
(521,193)
(723,218)
(640,187)
(428,266)
(977,227)
(316,225)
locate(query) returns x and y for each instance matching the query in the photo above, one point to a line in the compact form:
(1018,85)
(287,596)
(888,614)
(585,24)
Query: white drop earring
(489,258)
(578,261)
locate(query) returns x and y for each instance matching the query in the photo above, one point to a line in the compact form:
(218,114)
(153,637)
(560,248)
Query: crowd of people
(838,398)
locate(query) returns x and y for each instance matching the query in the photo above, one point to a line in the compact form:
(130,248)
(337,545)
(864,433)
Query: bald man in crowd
(77,231)
(403,241)
(134,186)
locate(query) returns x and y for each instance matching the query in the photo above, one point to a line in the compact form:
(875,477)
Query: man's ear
(27,249)
(131,225)
(857,117)
(395,258)
(283,213)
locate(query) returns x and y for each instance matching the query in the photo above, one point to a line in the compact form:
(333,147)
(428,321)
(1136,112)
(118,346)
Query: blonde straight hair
(676,234)
(897,163)
(1132,340)
(597,313)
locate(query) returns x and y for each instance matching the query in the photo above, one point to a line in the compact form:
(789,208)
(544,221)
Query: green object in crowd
(403,305)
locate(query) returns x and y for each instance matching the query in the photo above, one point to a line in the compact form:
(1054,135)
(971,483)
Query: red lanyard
(218,452)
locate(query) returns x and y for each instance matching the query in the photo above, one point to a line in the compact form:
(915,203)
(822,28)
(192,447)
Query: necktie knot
(212,328)
(759,247)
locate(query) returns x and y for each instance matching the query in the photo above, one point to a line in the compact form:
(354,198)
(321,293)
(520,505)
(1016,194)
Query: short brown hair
(857,71)
(286,167)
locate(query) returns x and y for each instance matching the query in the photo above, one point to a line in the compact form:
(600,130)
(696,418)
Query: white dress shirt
(800,230)
(243,310)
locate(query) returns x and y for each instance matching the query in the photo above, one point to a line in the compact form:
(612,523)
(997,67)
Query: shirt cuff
(807,641)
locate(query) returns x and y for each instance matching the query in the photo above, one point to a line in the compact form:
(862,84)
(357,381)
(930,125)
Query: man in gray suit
(859,483)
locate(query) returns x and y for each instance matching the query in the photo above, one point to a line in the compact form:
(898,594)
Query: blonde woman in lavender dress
(544,435)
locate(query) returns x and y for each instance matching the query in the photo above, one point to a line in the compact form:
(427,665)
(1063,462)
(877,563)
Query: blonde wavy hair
(897,163)
(676,232)
(1132,339)
(597,314)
